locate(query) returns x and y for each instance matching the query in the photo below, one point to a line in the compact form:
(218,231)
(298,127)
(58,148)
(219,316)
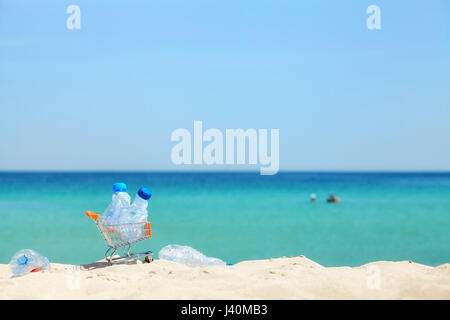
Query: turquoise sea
(237,216)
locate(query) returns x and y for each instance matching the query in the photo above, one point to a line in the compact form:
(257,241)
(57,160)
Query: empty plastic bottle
(138,210)
(188,256)
(120,203)
(27,260)
(140,204)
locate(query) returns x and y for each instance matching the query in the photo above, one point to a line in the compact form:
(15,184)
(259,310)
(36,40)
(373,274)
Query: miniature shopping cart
(122,236)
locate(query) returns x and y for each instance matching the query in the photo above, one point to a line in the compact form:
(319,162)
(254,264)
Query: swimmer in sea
(333,198)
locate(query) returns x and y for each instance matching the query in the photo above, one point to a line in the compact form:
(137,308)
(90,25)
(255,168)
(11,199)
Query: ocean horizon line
(234,171)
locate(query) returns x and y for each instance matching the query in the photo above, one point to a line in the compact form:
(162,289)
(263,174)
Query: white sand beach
(281,278)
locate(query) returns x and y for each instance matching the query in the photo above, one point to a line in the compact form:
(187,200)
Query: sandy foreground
(281,278)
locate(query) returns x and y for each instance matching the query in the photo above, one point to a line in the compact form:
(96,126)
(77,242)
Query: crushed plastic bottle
(188,256)
(27,260)
(120,202)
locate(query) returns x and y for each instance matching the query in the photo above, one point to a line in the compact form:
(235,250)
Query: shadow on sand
(103,264)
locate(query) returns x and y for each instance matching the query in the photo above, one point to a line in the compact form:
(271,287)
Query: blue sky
(108,96)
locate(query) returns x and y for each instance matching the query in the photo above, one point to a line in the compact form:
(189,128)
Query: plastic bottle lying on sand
(188,256)
(120,202)
(27,260)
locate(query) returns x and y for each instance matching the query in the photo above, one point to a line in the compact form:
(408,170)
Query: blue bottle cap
(119,187)
(23,260)
(144,193)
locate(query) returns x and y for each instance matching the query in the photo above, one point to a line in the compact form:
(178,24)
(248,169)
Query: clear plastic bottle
(120,203)
(140,204)
(188,256)
(138,210)
(27,260)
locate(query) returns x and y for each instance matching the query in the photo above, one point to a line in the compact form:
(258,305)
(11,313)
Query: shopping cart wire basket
(122,237)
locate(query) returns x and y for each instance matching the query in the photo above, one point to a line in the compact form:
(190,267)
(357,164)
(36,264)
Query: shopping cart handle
(148,229)
(92,215)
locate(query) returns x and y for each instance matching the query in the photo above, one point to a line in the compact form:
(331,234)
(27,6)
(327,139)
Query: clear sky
(108,96)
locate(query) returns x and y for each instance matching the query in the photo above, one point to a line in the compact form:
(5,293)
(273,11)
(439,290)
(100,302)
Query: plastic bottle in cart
(136,213)
(27,260)
(138,210)
(120,203)
(140,204)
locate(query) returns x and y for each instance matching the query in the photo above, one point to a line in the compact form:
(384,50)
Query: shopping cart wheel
(148,259)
